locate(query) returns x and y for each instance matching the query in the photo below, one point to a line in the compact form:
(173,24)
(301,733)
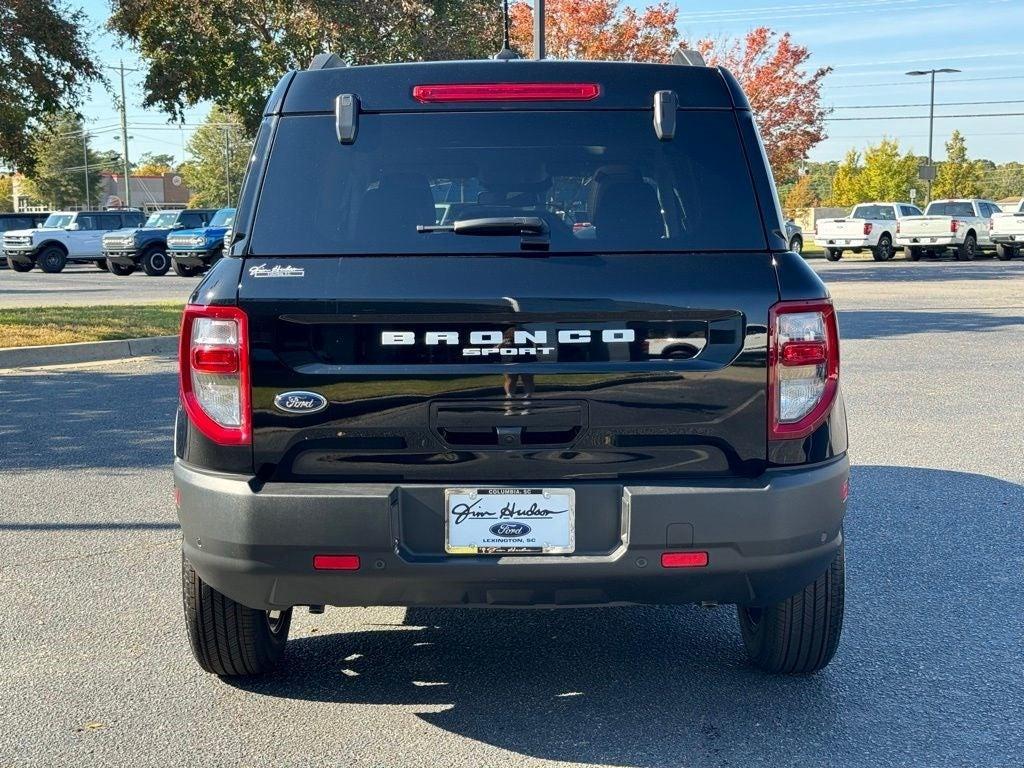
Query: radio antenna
(506,51)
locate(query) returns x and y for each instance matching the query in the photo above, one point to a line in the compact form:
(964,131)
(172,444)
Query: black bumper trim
(766,538)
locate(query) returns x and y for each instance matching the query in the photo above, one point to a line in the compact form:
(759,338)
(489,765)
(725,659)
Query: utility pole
(930,175)
(124,143)
(538,29)
(227,162)
(85,158)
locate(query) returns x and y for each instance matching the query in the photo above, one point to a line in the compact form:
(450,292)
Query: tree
(1005,180)
(599,30)
(957,176)
(233,52)
(886,174)
(151,164)
(45,64)
(801,196)
(6,193)
(785,97)
(58,178)
(846,184)
(220,151)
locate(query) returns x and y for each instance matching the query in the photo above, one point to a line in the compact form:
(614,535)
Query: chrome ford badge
(300,402)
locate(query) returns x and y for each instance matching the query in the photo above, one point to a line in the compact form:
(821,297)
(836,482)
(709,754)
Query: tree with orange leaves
(785,97)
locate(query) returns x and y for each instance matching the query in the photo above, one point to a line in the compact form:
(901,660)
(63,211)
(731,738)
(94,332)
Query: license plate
(491,521)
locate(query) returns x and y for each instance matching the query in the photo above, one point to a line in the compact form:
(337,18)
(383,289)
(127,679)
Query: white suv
(64,237)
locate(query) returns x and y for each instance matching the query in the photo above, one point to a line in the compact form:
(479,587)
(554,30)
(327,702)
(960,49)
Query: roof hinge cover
(665,104)
(346,117)
(687,58)
(326,61)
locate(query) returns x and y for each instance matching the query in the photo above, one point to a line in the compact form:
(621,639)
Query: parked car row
(121,241)
(965,227)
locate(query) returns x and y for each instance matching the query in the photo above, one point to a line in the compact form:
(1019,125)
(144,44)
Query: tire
(833,254)
(121,270)
(796,244)
(101,265)
(883,251)
(800,634)
(52,260)
(156,262)
(911,254)
(17,266)
(227,638)
(1005,252)
(183,270)
(968,249)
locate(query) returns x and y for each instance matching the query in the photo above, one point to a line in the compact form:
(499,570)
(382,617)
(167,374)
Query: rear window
(950,209)
(601,181)
(876,212)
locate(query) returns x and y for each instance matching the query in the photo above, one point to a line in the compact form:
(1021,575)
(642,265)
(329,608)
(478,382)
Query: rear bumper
(1009,239)
(766,538)
(844,242)
(927,242)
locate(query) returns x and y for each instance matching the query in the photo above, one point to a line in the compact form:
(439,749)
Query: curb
(87,352)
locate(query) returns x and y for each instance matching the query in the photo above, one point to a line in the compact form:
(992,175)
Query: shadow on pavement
(87,419)
(929,671)
(924,271)
(881,323)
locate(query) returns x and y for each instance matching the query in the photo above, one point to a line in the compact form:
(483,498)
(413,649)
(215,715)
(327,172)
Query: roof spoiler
(687,58)
(326,61)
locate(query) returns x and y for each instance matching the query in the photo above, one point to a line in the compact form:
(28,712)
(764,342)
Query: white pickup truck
(1008,232)
(64,237)
(869,226)
(958,225)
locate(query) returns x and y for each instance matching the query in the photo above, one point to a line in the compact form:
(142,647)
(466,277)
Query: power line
(909,83)
(925,104)
(922,117)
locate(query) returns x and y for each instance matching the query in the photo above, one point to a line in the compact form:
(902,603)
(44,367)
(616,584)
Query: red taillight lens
(868,226)
(336,562)
(897,227)
(803,367)
(213,368)
(954,225)
(684,559)
(215,359)
(506,92)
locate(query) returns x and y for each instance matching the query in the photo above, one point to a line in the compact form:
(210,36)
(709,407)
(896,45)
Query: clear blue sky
(870,44)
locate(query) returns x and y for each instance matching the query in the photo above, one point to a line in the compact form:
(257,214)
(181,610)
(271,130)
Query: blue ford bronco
(193,251)
(534,337)
(128,249)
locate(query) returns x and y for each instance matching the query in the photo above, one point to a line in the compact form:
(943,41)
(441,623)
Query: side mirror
(72,227)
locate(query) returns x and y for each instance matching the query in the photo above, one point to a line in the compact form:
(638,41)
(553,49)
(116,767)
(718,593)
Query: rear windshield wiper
(532,229)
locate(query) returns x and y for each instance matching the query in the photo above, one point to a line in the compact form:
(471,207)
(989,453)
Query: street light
(931,117)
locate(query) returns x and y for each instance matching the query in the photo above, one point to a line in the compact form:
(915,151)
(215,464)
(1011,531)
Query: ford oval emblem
(510,530)
(300,402)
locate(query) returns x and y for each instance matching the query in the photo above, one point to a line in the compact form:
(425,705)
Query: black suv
(534,337)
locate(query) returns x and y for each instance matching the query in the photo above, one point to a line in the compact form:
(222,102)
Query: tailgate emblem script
(300,402)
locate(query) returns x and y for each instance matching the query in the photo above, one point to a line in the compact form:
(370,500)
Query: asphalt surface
(95,668)
(83,284)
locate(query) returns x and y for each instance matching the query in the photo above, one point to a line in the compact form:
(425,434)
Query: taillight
(803,367)
(213,366)
(897,227)
(954,225)
(868,226)
(464,92)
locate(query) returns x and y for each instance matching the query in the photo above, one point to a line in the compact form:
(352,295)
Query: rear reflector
(506,92)
(804,352)
(684,559)
(336,562)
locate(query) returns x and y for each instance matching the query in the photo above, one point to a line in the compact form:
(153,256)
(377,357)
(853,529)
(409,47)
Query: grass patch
(38,326)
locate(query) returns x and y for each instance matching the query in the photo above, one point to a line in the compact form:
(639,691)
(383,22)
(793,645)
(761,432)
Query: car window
(14,222)
(877,212)
(961,209)
(86,223)
(223,218)
(108,221)
(910,210)
(599,180)
(995,208)
(191,220)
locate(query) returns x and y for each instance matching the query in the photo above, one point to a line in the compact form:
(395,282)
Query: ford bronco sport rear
(533,338)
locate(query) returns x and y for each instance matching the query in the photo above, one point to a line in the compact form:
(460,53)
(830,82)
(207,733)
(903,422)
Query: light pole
(931,118)
(538,29)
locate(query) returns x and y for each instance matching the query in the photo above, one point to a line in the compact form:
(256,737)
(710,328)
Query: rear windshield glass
(877,212)
(601,181)
(223,218)
(950,209)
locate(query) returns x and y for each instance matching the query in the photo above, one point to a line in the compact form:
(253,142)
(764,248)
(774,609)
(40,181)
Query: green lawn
(36,326)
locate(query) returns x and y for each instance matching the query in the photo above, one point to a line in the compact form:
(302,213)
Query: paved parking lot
(81,284)
(95,669)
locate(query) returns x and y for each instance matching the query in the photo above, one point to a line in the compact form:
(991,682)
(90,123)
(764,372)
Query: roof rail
(326,61)
(687,58)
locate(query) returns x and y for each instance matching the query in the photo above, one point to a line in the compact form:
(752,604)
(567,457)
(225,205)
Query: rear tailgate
(1008,224)
(925,226)
(840,228)
(660,368)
